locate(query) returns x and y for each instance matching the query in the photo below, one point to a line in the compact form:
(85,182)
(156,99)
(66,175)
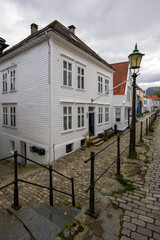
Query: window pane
(70,66)
(64,110)
(64,77)
(64,64)
(65,122)
(70,122)
(79,121)
(69,110)
(79,110)
(82,120)
(82,71)
(78,82)
(69,79)
(82,109)
(82,82)
(78,70)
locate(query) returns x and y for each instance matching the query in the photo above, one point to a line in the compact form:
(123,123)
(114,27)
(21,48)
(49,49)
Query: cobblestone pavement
(141,207)
(71,165)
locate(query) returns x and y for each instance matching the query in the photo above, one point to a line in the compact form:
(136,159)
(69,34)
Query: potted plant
(106,135)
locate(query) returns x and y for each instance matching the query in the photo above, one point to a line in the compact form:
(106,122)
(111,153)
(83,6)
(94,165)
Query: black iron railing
(91,210)
(50,187)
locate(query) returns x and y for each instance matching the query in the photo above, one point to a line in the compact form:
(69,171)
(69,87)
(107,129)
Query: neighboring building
(156,100)
(122,95)
(47,82)
(150,103)
(141,95)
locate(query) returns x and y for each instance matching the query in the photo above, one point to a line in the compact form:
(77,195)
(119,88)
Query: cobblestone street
(142,209)
(141,219)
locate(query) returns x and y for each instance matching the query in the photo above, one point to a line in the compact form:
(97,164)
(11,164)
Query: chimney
(34,28)
(3,45)
(72,28)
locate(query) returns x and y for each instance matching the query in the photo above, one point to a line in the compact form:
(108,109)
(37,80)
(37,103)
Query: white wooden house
(47,83)
(122,95)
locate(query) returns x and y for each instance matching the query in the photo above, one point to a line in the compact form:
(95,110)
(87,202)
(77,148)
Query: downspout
(49,84)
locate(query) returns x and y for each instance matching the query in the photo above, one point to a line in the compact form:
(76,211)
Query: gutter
(49,84)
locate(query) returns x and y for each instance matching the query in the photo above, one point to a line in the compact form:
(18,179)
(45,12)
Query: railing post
(141,133)
(118,156)
(50,186)
(73,196)
(146,126)
(130,147)
(15,205)
(91,211)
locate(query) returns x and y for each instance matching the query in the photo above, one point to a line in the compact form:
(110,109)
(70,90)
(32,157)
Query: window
(118,114)
(67,73)
(126,114)
(12,145)
(80,78)
(4,82)
(100,84)
(106,86)
(12,79)
(69,148)
(128,93)
(12,116)
(106,114)
(100,115)
(67,118)
(80,117)
(5,116)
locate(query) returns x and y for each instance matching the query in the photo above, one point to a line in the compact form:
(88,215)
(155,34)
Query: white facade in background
(148,104)
(122,105)
(45,99)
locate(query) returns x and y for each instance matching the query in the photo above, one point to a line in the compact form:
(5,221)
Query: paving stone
(138,236)
(146,219)
(144,231)
(126,232)
(153,227)
(129,226)
(138,222)
(156,236)
(125,206)
(131,214)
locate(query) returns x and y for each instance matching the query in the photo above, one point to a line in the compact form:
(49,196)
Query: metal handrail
(2,159)
(4,186)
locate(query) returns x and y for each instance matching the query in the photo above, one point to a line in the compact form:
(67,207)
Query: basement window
(69,148)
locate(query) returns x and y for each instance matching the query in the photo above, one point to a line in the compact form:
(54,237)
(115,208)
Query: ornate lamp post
(134,60)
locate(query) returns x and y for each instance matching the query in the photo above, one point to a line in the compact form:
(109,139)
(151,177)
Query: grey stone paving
(141,207)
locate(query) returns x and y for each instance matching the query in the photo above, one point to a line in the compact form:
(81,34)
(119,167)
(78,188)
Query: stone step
(96,140)
(56,214)
(99,143)
(12,229)
(93,137)
(40,227)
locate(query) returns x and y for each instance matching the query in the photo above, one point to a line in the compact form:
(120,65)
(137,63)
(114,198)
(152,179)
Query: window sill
(13,91)
(100,124)
(80,89)
(82,128)
(9,127)
(67,131)
(106,122)
(67,87)
(4,92)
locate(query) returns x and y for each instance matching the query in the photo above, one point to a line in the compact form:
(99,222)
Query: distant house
(156,100)
(47,83)
(140,94)
(122,95)
(148,103)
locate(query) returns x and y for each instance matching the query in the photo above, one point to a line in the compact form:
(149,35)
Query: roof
(148,96)
(65,33)
(120,76)
(155,97)
(138,88)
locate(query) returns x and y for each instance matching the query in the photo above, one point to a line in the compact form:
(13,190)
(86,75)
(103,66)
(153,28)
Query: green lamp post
(134,61)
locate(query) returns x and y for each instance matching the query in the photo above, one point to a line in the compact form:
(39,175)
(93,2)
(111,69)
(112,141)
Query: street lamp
(134,61)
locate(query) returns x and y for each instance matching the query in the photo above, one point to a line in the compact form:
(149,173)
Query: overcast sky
(110,27)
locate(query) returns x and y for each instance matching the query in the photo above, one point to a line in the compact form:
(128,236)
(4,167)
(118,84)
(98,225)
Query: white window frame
(106,118)
(126,114)
(68,115)
(4,77)
(100,84)
(67,72)
(80,77)
(12,79)
(117,108)
(12,116)
(5,116)
(100,115)
(128,93)
(106,86)
(80,117)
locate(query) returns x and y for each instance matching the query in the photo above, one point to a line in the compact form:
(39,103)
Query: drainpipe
(49,84)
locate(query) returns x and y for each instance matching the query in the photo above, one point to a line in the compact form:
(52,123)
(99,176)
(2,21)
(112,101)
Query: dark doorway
(91,123)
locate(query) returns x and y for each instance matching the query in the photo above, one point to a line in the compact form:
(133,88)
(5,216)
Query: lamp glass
(135,58)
